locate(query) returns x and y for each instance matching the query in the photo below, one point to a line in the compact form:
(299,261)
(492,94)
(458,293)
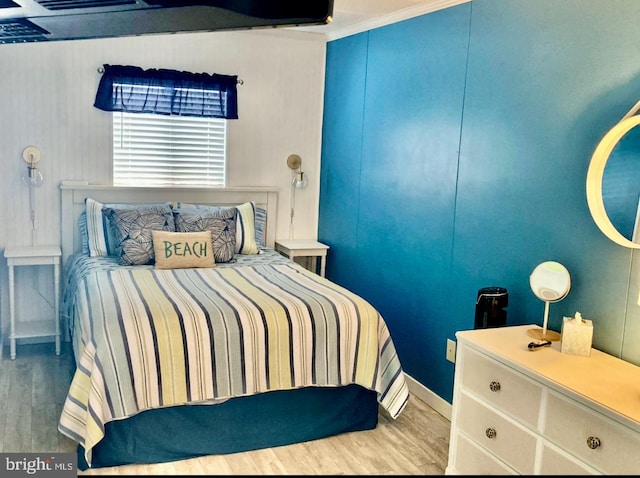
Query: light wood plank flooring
(33,388)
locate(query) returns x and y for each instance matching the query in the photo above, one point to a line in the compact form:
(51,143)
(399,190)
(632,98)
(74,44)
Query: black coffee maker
(490,306)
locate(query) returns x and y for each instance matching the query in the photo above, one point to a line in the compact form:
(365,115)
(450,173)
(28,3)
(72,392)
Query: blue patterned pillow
(251,223)
(219,220)
(132,228)
(96,231)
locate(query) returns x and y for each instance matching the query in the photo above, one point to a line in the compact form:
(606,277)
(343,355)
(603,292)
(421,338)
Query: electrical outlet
(451,350)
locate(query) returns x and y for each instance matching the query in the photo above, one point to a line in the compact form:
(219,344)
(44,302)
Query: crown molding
(397,16)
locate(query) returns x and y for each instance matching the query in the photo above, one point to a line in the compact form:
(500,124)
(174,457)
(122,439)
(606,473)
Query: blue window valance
(167,92)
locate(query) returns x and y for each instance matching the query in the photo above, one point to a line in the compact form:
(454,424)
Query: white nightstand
(293,248)
(34,256)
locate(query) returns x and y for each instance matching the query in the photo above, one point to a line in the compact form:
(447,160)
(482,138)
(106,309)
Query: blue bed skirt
(241,424)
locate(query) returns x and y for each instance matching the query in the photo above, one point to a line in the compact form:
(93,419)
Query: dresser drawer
(502,437)
(504,388)
(557,462)
(476,461)
(570,425)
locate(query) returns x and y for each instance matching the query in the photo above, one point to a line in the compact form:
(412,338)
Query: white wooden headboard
(74,194)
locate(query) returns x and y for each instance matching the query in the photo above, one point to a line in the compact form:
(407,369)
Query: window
(169,126)
(168,150)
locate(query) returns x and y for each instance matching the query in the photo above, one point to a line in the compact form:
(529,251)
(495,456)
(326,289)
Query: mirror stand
(550,281)
(544,334)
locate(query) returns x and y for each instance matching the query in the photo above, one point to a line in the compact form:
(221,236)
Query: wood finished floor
(34,385)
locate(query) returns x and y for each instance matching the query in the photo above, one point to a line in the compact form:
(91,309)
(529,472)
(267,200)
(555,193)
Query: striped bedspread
(154,338)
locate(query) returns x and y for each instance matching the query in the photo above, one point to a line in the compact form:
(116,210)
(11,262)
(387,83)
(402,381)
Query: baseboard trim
(430,398)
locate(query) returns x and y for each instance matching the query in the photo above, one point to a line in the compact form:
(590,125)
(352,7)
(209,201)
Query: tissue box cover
(577,336)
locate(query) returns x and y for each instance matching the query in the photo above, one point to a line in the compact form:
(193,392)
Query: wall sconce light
(300,180)
(33,176)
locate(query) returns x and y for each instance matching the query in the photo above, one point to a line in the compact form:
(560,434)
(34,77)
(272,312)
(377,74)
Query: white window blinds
(163,150)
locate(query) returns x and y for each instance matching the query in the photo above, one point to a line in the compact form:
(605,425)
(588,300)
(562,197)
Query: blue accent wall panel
(341,146)
(530,128)
(455,152)
(412,120)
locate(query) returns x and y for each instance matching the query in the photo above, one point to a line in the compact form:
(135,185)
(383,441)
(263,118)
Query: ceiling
(48,20)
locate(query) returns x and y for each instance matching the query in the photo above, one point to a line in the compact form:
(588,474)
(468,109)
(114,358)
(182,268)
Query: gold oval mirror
(595,178)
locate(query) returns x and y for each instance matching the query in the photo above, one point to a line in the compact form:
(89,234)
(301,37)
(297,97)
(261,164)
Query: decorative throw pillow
(133,230)
(261,224)
(246,229)
(100,241)
(96,231)
(220,221)
(182,250)
(84,234)
(250,224)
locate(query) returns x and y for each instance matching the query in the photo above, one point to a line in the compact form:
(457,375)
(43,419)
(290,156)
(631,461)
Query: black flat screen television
(70,20)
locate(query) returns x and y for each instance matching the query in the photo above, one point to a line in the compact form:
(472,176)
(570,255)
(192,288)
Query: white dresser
(517,411)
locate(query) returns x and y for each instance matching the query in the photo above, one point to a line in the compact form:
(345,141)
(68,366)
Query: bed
(174,361)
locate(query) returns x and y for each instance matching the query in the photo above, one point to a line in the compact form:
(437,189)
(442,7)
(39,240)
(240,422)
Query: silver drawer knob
(491,433)
(593,442)
(494,386)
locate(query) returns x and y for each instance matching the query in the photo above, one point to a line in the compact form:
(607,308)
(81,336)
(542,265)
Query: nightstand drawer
(502,387)
(571,426)
(502,437)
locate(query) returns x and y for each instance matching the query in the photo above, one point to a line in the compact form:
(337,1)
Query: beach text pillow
(183,250)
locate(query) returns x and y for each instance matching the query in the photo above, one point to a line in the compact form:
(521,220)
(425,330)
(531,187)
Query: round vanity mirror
(550,282)
(613,186)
